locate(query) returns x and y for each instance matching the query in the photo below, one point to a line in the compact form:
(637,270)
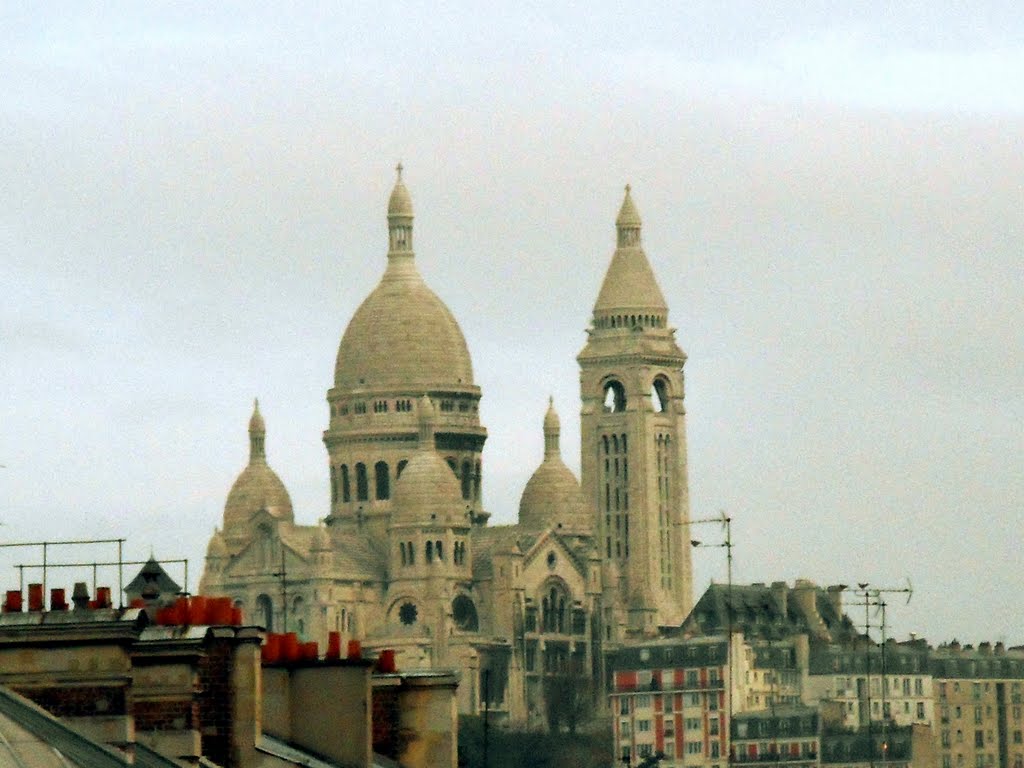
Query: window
(346,488)
(362,483)
(643,701)
(667,703)
(693,748)
(614,397)
(623,705)
(979,739)
(692,723)
(714,749)
(430,551)
(643,725)
(410,552)
(382,480)
(643,750)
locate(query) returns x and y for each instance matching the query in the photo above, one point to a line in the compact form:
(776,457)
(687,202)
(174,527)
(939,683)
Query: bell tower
(633,434)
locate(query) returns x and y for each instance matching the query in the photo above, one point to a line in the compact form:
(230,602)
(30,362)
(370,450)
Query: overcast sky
(193,206)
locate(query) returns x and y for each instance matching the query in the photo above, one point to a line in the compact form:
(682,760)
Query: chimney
(806,595)
(80,597)
(780,591)
(835,597)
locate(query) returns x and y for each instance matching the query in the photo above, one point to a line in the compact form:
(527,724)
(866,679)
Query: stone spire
(399,222)
(630,294)
(552,429)
(628,223)
(257,434)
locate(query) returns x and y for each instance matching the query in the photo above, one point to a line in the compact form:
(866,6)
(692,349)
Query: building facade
(405,557)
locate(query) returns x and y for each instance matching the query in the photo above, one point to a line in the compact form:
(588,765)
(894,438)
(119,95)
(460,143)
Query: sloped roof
(152,573)
(31,736)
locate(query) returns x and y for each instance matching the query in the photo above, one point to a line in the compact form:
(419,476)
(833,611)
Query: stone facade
(405,558)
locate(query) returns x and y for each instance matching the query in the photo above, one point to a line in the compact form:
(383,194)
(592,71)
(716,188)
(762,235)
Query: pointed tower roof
(629,284)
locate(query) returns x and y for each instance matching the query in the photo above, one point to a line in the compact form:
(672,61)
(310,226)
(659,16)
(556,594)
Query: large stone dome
(402,336)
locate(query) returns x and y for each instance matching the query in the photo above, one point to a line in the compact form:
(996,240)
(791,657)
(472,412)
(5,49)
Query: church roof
(402,336)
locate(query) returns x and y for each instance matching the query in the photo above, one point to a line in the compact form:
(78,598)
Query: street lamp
(726,522)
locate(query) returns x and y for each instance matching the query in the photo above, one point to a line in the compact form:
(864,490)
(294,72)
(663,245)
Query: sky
(194,206)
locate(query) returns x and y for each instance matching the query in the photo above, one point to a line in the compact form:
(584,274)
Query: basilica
(405,558)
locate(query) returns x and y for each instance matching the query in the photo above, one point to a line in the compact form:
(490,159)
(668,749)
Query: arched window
(401,548)
(614,397)
(467,479)
(659,396)
(439,550)
(399,468)
(410,552)
(464,614)
(362,483)
(383,483)
(556,604)
(265,612)
(346,486)
(334,484)
(430,551)
(476,482)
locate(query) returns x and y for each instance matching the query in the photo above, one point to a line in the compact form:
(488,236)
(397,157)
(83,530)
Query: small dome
(427,491)
(216,549)
(400,202)
(553,497)
(551,421)
(258,487)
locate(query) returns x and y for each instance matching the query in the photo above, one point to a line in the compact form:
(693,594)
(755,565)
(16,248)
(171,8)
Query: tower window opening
(454,466)
(383,480)
(467,479)
(401,548)
(614,397)
(439,550)
(659,396)
(430,551)
(359,407)
(334,484)
(399,468)
(380,406)
(476,482)
(411,552)
(346,486)
(362,483)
